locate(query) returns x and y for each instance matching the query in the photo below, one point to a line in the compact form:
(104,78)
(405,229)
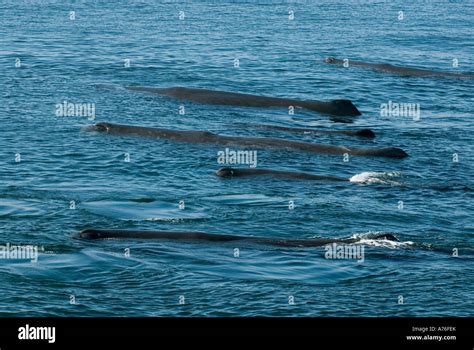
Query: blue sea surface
(57,180)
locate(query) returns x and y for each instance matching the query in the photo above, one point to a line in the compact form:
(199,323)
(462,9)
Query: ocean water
(48,166)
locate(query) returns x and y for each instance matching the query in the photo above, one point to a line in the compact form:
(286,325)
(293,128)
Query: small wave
(176,219)
(145,210)
(386,178)
(109,86)
(451,187)
(250,200)
(21,208)
(369,238)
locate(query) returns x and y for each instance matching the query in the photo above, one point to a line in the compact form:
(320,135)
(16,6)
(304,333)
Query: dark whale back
(390,152)
(172,235)
(196,136)
(408,71)
(235,172)
(337,107)
(215,97)
(265,142)
(93,234)
(387,236)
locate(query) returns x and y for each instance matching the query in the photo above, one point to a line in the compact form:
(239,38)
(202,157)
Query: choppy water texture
(82,60)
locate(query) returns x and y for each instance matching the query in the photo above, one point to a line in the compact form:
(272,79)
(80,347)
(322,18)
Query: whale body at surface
(339,107)
(408,71)
(95,234)
(261,142)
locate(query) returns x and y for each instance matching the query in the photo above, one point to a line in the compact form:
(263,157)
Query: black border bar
(118,331)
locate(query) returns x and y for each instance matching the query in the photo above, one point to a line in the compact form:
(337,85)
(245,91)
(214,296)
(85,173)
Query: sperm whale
(417,72)
(210,138)
(243,172)
(214,97)
(94,234)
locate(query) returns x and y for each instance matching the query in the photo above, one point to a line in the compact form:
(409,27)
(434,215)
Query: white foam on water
(369,177)
(369,239)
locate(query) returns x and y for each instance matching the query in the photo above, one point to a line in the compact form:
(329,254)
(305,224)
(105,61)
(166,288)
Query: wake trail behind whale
(395,178)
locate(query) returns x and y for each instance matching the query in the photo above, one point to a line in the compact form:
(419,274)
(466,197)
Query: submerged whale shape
(202,236)
(417,72)
(360,133)
(258,142)
(234,172)
(214,97)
